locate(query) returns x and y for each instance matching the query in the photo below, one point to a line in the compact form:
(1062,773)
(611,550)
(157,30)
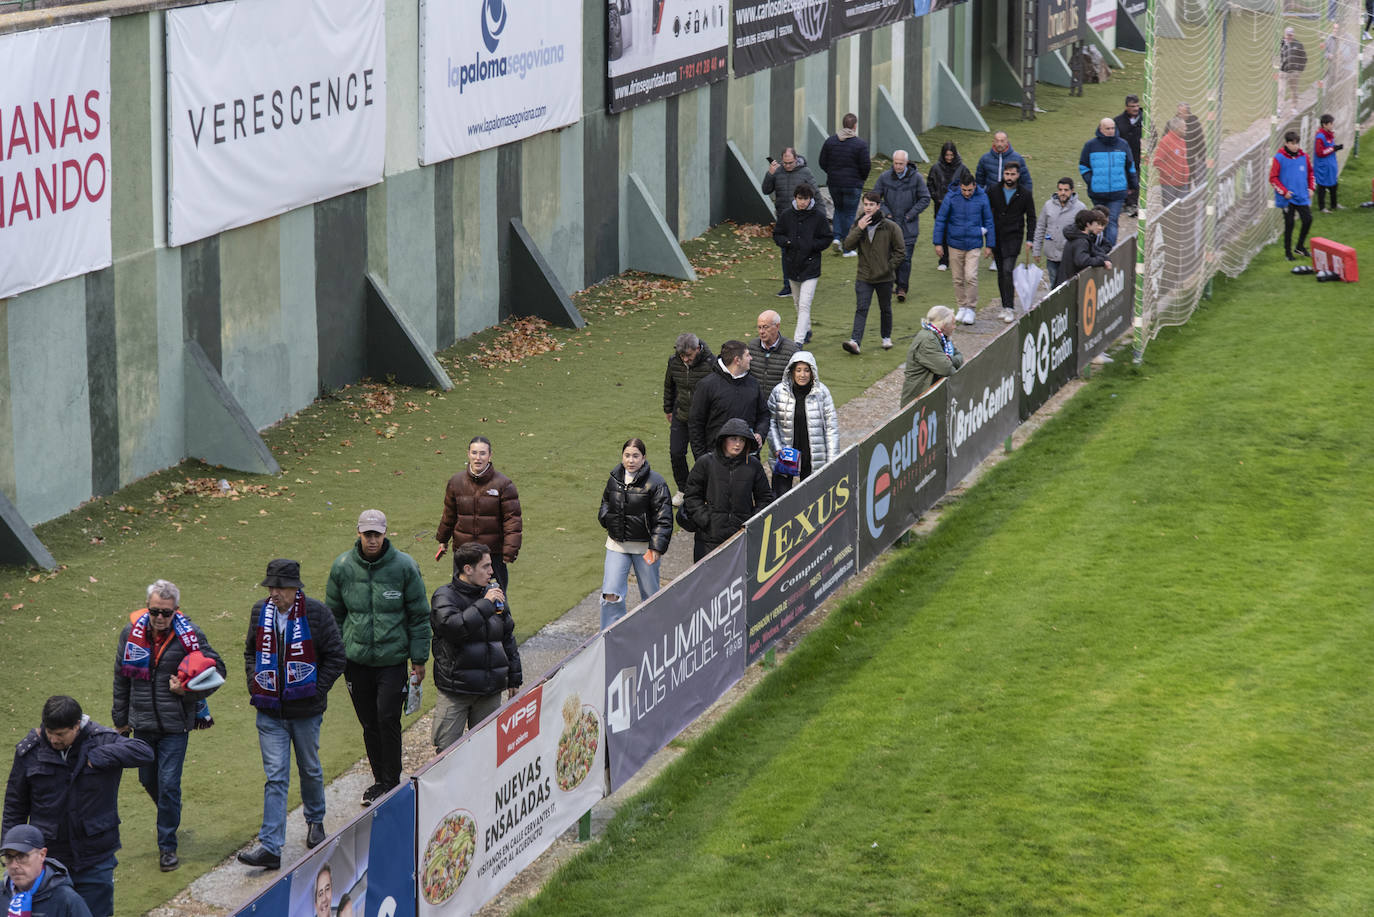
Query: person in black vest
(1013,215)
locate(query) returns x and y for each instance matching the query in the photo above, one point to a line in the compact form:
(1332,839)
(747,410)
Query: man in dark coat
(728,392)
(475,654)
(725,488)
(29,872)
(691,362)
(1013,216)
(846,163)
(292,657)
(905,196)
(785,175)
(482,504)
(65,782)
(1130,124)
(155,704)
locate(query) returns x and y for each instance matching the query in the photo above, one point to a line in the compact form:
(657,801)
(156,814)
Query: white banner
(489,807)
(271,105)
(54,154)
(494,71)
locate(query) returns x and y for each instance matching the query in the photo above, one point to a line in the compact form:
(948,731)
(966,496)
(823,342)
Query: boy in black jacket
(1081,247)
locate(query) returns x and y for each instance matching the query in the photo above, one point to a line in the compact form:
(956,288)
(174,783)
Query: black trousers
(678,444)
(1007,253)
(1321,196)
(1289,212)
(378,694)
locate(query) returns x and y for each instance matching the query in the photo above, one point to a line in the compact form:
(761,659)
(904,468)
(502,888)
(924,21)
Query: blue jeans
(846,209)
(276,738)
(1113,209)
(95,885)
(162,780)
(1052,269)
(616,581)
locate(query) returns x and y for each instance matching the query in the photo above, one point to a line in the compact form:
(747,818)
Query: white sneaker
(942,267)
(1008,315)
(836,246)
(992,266)
(887,343)
(970,316)
(851,254)
(678,498)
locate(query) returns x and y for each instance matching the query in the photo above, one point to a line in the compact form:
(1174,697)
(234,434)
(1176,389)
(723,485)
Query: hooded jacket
(723,492)
(962,220)
(905,196)
(719,397)
(1080,251)
(55,897)
(1107,168)
(150,706)
(822,422)
(637,512)
(485,509)
(927,363)
(803,236)
(329,660)
(680,379)
(474,643)
(73,800)
(783,184)
(990,166)
(380,606)
(1054,219)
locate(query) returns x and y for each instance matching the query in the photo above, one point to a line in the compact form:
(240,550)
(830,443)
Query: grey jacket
(783,184)
(822,423)
(903,199)
(1049,229)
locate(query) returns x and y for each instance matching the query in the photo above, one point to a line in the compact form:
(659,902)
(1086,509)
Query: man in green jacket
(378,597)
(881,250)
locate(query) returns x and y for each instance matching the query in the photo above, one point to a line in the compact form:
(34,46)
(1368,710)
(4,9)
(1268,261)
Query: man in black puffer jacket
(725,488)
(691,362)
(474,650)
(728,392)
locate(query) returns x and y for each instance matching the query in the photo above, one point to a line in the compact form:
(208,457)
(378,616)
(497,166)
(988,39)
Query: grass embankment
(557,420)
(1126,674)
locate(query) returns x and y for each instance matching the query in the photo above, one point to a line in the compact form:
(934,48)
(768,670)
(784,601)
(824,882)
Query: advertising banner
(365,868)
(1106,302)
(673,657)
(901,472)
(769,33)
(496,72)
(54,154)
(934,6)
(1048,334)
(271,106)
(983,406)
(801,549)
(1101,14)
(1135,7)
(1058,24)
(659,48)
(851,16)
(490,805)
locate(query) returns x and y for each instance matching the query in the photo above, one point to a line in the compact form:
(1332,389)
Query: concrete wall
(91,368)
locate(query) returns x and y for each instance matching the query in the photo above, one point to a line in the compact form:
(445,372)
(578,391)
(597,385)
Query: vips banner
(489,806)
(54,154)
(1106,303)
(1048,335)
(672,658)
(769,33)
(659,48)
(901,472)
(1058,23)
(983,406)
(850,16)
(271,106)
(801,549)
(365,868)
(496,71)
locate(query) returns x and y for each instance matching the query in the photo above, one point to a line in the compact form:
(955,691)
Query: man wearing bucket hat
(164,670)
(35,884)
(292,657)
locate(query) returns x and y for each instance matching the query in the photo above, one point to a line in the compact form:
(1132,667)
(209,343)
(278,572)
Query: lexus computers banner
(659,48)
(270,106)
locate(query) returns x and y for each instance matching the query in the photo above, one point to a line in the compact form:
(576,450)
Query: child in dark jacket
(1082,248)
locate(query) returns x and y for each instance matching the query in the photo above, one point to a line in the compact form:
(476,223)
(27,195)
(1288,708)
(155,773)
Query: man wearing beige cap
(379,601)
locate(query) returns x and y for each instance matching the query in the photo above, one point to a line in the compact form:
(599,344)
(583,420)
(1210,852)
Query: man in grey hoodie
(1055,217)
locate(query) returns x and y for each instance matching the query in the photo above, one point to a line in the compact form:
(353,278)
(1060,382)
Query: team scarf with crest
(265,690)
(945,343)
(137,659)
(21,905)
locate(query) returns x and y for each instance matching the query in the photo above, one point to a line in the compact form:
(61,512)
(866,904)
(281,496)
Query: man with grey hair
(159,654)
(905,196)
(770,352)
(691,362)
(932,355)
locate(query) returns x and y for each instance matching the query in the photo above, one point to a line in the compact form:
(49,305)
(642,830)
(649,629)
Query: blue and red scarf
(266,690)
(945,343)
(137,658)
(21,904)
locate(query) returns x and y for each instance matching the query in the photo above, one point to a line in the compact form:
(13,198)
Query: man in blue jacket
(964,226)
(1109,171)
(905,195)
(845,161)
(991,164)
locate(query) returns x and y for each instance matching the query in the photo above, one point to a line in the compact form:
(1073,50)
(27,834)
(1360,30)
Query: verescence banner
(659,48)
(495,72)
(801,549)
(489,806)
(54,154)
(901,472)
(769,33)
(1048,334)
(673,657)
(983,405)
(1106,302)
(1058,23)
(271,106)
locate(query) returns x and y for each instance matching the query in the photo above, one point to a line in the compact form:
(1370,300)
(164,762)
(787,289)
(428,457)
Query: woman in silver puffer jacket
(802,415)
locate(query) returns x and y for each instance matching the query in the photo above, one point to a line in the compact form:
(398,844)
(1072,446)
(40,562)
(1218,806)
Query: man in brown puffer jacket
(481,504)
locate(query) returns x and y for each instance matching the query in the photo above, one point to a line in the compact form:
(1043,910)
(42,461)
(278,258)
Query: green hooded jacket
(381,606)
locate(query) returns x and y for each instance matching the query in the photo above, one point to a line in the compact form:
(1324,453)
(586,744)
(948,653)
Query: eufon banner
(801,549)
(983,405)
(54,154)
(673,657)
(271,106)
(495,72)
(851,16)
(769,33)
(659,48)
(901,472)
(1058,23)
(1106,302)
(490,805)
(1048,333)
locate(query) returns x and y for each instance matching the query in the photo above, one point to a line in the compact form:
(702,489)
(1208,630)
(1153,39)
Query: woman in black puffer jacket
(637,514)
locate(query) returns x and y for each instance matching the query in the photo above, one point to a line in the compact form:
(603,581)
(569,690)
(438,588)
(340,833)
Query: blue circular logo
(493,22)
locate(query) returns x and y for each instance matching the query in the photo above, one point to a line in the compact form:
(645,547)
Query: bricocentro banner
(901,472)
(1048,334)
(801,549)
(673,657)
(983,405)
(659,48)
(1106,302)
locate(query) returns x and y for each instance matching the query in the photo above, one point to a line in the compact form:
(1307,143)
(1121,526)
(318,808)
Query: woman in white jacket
(802,415)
